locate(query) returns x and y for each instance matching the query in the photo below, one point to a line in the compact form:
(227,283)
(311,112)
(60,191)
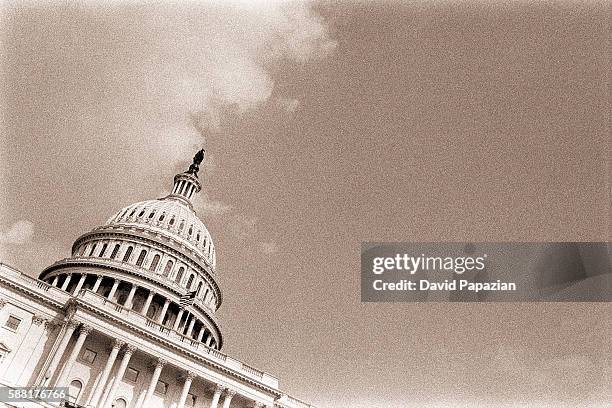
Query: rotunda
(155,257)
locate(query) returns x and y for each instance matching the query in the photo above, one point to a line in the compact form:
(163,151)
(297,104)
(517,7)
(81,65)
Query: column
(83,333)
(35,355)
(70,328)
(55,280)
(96,285)
(179,316)
(188,379)
(127,354)
(190,328)
(147,303)
(228,397)
(79,285)
(162,314)
(201,333)
(130,298)
(154,379)
(21,355)
(97,393)
(66,282)
(113,290)
(215,401)
(209,339)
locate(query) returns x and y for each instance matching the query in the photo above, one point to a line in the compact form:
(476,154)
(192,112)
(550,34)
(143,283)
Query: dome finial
(197,160)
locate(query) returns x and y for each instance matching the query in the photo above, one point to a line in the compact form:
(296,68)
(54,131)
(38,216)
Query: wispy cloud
(21,232)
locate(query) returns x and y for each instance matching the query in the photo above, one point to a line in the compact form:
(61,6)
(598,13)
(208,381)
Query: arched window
(199,288)
(154,263)
(152,214)
(179,275)
(172,221)
(198,236)
(132,212)
(128,253)
(189,281)
(74,390)
(168,268)
(141,213)
(161,218)
(190,230)
(115,250)
(181,226)
(103,250)
(141,257)
(119,403)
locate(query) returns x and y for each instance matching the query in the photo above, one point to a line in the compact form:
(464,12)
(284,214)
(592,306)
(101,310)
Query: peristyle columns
(147,304)
(162,314)
(66,282)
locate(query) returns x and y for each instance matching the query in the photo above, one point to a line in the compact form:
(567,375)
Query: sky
(327,125)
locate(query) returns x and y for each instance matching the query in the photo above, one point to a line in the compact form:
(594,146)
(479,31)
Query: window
(152,214)
(168,268)
(115,250)
(131,374)
(154,263)
(103,250)
(88,356)
(179,275)
(172,221)
(133,211)
(161,218)
(189,282)
(74,390)
(199,288)
(161,388)
(191,400)
(128,253)
(12,323)
(93,248)
(190,230)
(141,213)
(141,257)
(4,351)
(119,403)
(198,236)
(181,226)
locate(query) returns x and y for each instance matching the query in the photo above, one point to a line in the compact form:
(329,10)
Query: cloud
(288,104)
(158,79)
(269,248)
(206,207)
(21,232)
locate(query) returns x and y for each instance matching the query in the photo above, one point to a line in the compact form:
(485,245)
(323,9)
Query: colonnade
(185,323)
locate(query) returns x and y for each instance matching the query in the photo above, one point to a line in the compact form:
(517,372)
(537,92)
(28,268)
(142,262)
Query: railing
(22,279)
(136,318)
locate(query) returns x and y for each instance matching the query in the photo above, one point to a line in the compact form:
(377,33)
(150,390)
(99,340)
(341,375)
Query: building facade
(129,320)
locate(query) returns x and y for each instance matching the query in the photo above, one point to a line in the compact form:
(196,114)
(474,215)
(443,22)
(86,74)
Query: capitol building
(129,320)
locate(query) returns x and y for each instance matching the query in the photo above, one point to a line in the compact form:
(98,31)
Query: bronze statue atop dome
(197,160)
